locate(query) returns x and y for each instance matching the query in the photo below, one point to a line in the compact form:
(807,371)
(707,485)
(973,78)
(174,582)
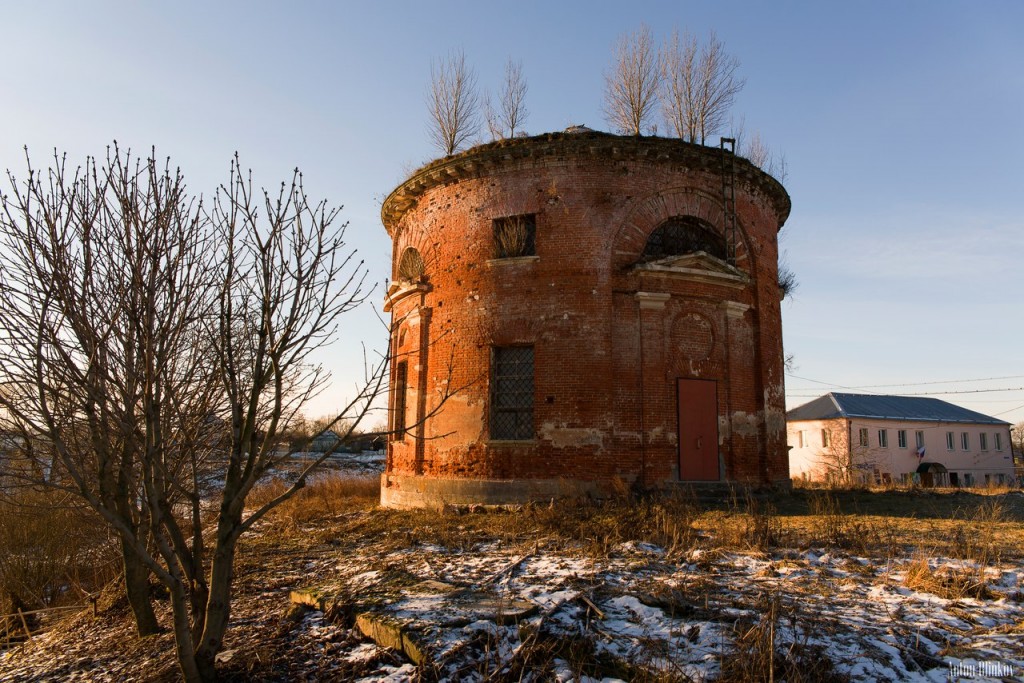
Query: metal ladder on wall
(728,147)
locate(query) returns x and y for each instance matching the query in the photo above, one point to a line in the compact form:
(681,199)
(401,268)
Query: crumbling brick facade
(653,332)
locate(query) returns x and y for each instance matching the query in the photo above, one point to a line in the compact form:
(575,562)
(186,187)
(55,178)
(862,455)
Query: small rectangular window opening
(863,434)
(883,438)
(401,387)
(901,438)
(826,441)
(515,236)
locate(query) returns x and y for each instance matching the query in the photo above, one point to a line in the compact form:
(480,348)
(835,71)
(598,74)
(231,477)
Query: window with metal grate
(512,393)
(684,235)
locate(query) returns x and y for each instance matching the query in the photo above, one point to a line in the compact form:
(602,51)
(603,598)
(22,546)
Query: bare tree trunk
(218,607)
(136,586)
(188,662)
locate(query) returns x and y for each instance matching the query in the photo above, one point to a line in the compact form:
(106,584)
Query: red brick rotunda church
(578,310)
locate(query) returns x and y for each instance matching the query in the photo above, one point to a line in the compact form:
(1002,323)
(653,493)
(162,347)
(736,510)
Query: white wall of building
(980,454)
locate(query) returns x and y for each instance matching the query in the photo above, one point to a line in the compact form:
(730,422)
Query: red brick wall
(596,199)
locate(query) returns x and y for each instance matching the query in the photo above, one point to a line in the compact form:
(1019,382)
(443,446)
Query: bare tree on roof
(511,113)
(700,86)
(679,73)
(491,118)
(513,95)
(453,103)
(757,152)
(632,86)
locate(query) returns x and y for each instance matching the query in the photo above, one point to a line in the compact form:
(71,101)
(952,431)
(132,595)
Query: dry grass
(324,497)
(337,515)
(880,525)
(760,652)
(946,582)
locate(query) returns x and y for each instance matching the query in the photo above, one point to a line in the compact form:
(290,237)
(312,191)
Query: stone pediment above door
(698,266)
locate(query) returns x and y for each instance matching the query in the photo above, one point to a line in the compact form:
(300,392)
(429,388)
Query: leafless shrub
(788,283)
(632,86)
(51,551)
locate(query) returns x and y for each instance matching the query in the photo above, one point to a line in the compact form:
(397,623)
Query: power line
(1009,411)
(907,384)
(944,381)
(931,393)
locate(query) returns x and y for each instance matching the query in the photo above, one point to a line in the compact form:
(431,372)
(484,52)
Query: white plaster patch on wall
(775,394)
(570,437)
(657,435)
(745,424)
(775,421)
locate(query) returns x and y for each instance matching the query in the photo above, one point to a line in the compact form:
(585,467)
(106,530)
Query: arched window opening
(684,235)
(411,267)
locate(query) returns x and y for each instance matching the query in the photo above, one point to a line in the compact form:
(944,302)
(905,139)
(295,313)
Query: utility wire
(934,393)
(1010,410)
(906,384)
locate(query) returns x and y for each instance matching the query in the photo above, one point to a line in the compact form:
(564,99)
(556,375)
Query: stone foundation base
(404,491)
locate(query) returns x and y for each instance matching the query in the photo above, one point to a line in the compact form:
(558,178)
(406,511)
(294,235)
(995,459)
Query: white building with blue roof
(871,439)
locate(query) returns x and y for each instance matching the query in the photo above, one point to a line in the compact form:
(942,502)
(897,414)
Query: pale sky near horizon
(902,124)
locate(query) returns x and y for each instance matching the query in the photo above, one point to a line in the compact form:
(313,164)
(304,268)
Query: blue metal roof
(915,408)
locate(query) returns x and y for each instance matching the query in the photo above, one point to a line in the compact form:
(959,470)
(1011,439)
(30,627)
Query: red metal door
(698,430)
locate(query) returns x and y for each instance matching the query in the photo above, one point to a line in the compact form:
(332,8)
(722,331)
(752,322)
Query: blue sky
(902,124)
